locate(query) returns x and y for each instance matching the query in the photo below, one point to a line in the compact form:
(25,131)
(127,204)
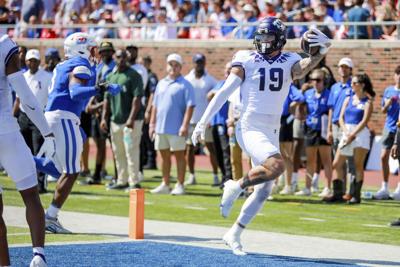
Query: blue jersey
(392,114)
(294,95)
(59,96)
(355,113)
(339,92)
(316,107)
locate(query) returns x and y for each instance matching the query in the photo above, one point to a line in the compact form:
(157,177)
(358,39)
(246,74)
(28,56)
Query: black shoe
(118,186)
(395,223)
(90,181)
(150,166)
(135,186)
(41,189)
(84,173)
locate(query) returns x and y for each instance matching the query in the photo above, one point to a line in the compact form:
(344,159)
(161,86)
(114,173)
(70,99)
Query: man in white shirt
(39,82)
(202,83)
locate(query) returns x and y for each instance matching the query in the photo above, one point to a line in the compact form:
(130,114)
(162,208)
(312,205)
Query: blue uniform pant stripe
(66,145)
(71,128)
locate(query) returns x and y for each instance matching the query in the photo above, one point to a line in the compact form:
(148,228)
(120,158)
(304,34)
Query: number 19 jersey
(267,81)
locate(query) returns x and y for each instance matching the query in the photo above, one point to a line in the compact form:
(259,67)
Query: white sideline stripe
(194,208)
(148,203)
(92,198)
(18,234)
(375,225)
(312,219)
(260,214)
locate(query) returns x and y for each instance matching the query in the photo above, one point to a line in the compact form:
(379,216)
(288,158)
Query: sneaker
(287,190)
(216,181)
(132,187)
(281,181)
(325,193)
(90,181)
(118,186)
(38,261)
(232,191)
(112,182)
(84,173)
(161,189)
(382,194)
(191,180)
(54,226)
(304,192)
(395,223)
(150,166)
(233,241)
(178,189)
(396,195)
(314,185)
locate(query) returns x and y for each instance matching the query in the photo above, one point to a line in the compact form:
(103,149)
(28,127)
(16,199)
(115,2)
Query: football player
(72,86)
(264,77)
(13,150)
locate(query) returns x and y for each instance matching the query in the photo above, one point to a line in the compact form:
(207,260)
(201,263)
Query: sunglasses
(352,82)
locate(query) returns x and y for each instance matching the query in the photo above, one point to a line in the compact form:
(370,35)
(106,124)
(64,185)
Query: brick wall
(377,58)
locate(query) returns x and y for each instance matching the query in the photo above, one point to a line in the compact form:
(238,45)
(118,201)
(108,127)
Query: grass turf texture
(285,214)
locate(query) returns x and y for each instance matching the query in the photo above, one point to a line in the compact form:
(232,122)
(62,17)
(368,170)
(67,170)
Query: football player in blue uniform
(72,86)
(264,77)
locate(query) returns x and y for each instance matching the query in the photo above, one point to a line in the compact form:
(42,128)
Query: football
(305,45)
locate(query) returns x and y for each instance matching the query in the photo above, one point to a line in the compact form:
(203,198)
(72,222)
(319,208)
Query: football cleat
(233,241)
(38,261)
(54,226)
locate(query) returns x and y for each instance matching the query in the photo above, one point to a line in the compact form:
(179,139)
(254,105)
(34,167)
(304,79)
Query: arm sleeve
(29,102)
(78,91)
(230,85)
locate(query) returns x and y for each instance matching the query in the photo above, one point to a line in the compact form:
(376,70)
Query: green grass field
(285,214)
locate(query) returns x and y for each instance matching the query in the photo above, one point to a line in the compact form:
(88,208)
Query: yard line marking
(260,214)
(375,225)
(311,219)
(194,208)
(148,203)
(92,197)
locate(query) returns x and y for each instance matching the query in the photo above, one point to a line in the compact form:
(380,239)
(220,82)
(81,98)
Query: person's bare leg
(326,160)
(213,158)
(85,157)
(190,158)
(34,215)
(287,155)
(4,254)
(63,189)
(311,164)
(166,165)
(180,165)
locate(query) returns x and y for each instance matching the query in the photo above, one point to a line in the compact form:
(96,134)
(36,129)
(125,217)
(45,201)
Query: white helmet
(78,44)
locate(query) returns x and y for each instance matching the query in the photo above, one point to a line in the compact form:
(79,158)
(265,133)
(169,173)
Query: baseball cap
(32,54)
(199,57)
(175,57)
(270,2)
(52,52)
(248,8)
(106,46)
(346,61)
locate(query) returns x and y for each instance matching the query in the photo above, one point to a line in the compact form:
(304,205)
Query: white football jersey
(266,82)
(7,122)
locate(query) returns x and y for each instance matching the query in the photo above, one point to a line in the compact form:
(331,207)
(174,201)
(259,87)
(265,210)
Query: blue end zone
(150,254)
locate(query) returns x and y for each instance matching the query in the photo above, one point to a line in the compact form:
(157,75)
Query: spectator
(202,83)
(286,137)
(22,55)
(390,107)
(172,110)
(50,6)
(32,8)
(226,30)
(107,18)
(135,14)
(269,9)
(359,14)
(216,17)
(204,12)
(387,12)
(182,32)
(133,52)
(148,156)
(354,116)
(126,114)
(4,16)
(339,91)
(39,82)
(51,59)
(33,32)
(67,7)
(247,32)
(316,100)
(163,31)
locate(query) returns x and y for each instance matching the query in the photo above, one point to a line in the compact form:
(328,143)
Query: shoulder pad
(241,57)
(82,72)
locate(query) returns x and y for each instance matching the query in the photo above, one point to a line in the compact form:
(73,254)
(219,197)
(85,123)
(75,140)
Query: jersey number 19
(275,79)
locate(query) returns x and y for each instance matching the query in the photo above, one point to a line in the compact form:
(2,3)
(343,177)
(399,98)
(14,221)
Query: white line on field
(311,219)
(148,203)
(16,234)
(375,225)
(194,208)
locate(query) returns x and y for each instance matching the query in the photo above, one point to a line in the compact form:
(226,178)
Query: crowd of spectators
(161,19)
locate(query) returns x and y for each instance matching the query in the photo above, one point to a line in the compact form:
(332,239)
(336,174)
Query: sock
(295,177)
(385,186)
(237,229)
(38,250)
(52,211)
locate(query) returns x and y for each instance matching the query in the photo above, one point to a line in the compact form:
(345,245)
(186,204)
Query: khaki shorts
(208,138)
(173,142)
